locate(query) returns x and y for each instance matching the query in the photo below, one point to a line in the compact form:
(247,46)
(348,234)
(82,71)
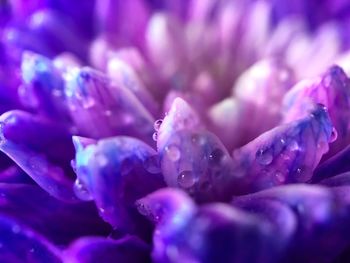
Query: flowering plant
(174,131)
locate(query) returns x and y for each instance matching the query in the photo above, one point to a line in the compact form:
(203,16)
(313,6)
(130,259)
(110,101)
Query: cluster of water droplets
(156,127)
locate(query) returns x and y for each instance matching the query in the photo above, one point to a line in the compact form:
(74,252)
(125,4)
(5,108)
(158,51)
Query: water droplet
(186,179)
(142,208)
(173,153)
(215,156)
(102,210)
(157,124)
(152,164)
(73,165)
(155,136)
(334,135)
(81,191)
(264,156)
(283,141)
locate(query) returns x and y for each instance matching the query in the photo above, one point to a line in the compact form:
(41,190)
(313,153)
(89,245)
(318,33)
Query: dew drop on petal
(334,135)
(157,124)
(81,191)
(155,136)
(264,156)
(186,179)
(173,153)
(215,156)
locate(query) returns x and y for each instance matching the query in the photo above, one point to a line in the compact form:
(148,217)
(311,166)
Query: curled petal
(286,154)
(279,215)
(116,172)
(167,206)
(210,233)
(19,244)
(43,87)
(95,249)
(192,158)
(102,109)
(320,215)
(332,89)
(43,151)
(58,221)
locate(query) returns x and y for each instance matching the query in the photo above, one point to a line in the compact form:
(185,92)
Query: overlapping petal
(116,172)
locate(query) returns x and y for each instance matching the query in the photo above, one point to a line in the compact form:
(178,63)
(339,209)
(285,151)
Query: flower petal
(95,102)
(13,174)
(286,154)
(321,217)
(19,244)
(124,75)
(94,249)
(117,20)
(210,233)
(337,164)
(43,149)
(192,158)
(43,87)
(116,172)
(332,89)
(58,221)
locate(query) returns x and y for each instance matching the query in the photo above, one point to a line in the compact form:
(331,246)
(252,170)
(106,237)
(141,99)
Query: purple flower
(174,131)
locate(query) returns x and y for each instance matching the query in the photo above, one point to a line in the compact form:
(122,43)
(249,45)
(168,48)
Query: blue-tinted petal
(100,108)
(94,249)
(43,149)
(286,154)
(192,158)
(210,233)
(116,172)
(13,174)
(43,87)
(19,244)
(58,221)
(332,90)
(321,217)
